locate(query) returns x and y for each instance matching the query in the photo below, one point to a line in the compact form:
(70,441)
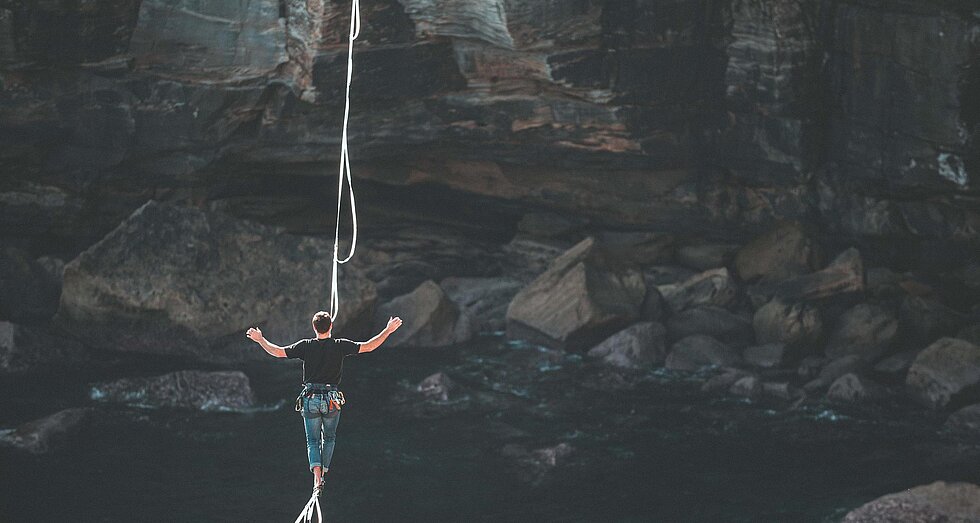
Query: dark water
(661,451)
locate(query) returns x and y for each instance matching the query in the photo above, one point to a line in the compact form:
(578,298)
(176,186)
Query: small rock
(437,386)
(639,346)
(430,318)
(748,387)
(714,287)
(933,503)
(534,466)
(724,381)
(851,388)
(654,308)
(768,356)
(965,421)
(25,349)
(798,326)
(183,389)
(810,366)
(713,321)
(783,252)
(781,391)
(946,371)
(833,370)
(697,351)
(46,434)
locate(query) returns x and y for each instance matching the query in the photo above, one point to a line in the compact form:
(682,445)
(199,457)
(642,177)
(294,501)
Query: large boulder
(965,421)
(223,390)
(866,329)
(636,347)
(484,300)
(28,290)
(796,325)
(712,287)
(583,297)
(28,348)
(948,371)
(844,275)
(698,351)
(176,280)
(430,318)
(936,502)
(46,434)
(714,321)
(852,388)
(781,253)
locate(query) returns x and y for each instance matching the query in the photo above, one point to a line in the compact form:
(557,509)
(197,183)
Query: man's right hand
(255,335)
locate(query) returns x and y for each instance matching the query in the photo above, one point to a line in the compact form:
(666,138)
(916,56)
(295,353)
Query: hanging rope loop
(344,174)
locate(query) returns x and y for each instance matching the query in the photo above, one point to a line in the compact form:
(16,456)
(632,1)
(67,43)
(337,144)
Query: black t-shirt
(323,359)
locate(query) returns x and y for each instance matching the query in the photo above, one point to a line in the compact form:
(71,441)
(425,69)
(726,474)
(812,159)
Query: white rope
(344,170)
(313,505)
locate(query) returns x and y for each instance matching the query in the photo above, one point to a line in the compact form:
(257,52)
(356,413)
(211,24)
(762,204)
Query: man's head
(322,322)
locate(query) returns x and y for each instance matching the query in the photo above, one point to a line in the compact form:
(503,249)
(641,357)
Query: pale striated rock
(698,351)
(844,275)
(866,329)
(174,280)
(936,502)
(224,390)
(781,253)
(713,287)
(430,318)
(636,347)
(946,371)
(583,297)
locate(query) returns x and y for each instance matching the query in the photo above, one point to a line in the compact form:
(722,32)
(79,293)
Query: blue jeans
(321,430)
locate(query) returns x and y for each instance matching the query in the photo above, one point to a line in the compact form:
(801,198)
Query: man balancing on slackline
(320,401)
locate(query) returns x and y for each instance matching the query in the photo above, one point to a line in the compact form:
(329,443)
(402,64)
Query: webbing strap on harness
(344,170)
(313,505)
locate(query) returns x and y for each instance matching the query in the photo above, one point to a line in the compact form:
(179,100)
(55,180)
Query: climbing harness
(344,169)
(336,398)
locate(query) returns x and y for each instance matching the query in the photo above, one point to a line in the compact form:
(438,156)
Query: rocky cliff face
(704,117)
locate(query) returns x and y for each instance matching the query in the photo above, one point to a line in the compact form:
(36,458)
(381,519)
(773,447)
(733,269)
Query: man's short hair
(322,322)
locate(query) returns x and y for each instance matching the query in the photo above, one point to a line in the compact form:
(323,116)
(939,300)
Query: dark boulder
(636,347)
(176,280)
(484,300)
(46,434)
(639,248)
(867,330)
(430,318)
(768,356)
(705,256)
(698,351)
(28,290)
(796,325)
(29,348)
(924,319)
(851,388)
(713,321)
(783,252)
(966,421)
(939,502)
(948,371)
(193,389)
(582,298)
(895,367)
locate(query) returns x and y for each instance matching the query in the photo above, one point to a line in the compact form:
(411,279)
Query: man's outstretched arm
(273,349)
(375,342)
